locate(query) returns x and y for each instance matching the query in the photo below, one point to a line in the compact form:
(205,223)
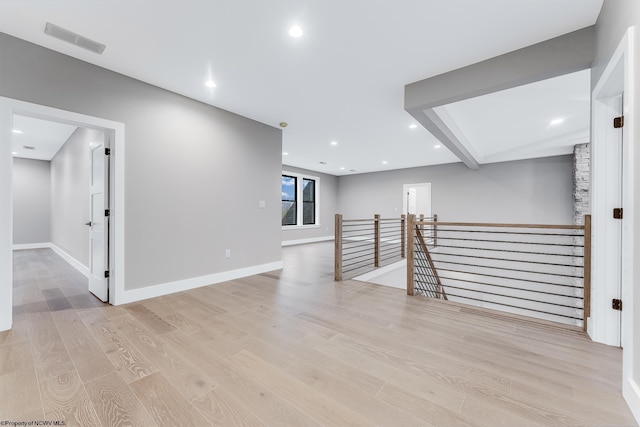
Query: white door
(99,222)
(416,199)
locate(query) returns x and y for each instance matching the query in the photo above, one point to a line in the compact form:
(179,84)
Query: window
(308,201)
(295,188)
(289,200)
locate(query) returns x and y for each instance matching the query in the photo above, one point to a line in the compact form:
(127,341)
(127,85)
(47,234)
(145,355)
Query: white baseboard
(310,240)
(25,246)
(83,269)
(631,393)
(134,295)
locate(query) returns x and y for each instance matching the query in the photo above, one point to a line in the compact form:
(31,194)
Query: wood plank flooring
(291,347)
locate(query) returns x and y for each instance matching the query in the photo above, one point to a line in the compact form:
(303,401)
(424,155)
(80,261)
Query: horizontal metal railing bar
(511,287)
(494,225)
(508,269)
(352,258)
(367,248)
(346,221)
(506,277)
(522,289)
(387,226)
(506,250)
(357,249)
(519,233)
(511,242)
(361,264)
(354,269)
(368,256)
(435,254)
(390,244)
(398,257)
(359,241)
(347,236)
(515,306)
(389,250)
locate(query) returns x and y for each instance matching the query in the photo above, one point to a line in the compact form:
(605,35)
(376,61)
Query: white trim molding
(631,393)
(26,246)
(9,107)
(83,269)
(134,295)
(309,240)
(618,80)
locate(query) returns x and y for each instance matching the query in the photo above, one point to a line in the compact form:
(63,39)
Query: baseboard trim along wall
(631,393)
(25,246)
(83,269)
(303,241)
(135,295)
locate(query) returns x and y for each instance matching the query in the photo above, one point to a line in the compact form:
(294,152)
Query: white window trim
(299,177)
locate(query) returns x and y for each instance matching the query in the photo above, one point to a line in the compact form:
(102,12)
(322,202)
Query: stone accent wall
(581,182)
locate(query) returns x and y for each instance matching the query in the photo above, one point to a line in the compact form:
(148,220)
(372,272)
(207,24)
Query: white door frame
(9,107)
(618,77)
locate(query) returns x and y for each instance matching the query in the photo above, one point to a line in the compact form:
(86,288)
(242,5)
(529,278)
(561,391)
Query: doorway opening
(416,199)
(105,134)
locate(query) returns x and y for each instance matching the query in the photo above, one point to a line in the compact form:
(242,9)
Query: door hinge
(618,122)
(617,213)
(107,212)
(616,304)
(107,151)
(106,274)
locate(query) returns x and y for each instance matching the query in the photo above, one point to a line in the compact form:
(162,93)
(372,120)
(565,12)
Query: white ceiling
(516,123)
(45,137)
(343,80)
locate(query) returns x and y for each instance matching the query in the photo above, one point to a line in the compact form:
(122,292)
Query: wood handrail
(496,225)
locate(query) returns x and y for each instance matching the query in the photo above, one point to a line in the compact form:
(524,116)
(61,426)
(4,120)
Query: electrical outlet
(227,253)
(262,204)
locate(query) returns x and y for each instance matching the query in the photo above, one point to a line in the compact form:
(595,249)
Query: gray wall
(616,16)
(328,207)
(524,191)
(31,201)
(194,174)
(70,170)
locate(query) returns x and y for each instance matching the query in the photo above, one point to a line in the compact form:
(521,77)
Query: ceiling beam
(562,55)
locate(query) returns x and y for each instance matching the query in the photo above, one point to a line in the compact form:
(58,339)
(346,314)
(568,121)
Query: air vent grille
(73,38)
(28,147)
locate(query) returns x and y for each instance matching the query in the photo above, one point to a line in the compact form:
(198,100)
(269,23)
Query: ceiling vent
(28,147)
(73,38)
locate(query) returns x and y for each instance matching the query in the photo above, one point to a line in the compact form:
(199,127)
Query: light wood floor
(290,348)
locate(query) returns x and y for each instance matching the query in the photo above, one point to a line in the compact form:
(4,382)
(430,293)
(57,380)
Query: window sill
(299,227)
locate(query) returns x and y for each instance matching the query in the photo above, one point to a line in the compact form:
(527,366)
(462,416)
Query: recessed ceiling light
(342,168)
(210,83)
(15,153)
(437,146)
(284,153)
(334,142)
(384,162)
(413,126)
(295,31)
(16,131)
(556,121)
